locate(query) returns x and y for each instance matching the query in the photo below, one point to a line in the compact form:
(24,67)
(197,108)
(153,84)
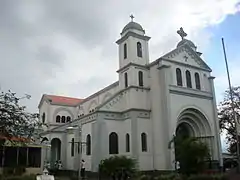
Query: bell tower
(133,55)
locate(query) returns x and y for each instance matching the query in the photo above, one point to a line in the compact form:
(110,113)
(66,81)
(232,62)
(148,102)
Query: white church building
(138,115)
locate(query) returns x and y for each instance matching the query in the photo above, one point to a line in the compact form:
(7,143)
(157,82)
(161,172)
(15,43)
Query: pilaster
(165,109)
(216,122)
(98,143)
(134,136)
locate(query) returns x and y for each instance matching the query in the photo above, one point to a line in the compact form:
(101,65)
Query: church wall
(87,129)
(138,98)
(45,109)
(55,110)
(145,158)
(121,127)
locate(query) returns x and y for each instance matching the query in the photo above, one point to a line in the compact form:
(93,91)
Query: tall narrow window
(88,143)
(140,78)
(63,119)
(139,49)
(197,81)
(125,50)
(43,118)
(127,143)
(188,79)
(68,119)
(179,77)
(113,143)
(58,118)
(144,142)
(126,79)
(72,147)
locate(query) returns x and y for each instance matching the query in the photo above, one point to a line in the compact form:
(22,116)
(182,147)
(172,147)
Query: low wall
(29,171)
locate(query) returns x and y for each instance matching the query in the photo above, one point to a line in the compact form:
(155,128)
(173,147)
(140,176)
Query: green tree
(15,121)
(114,165)
(226,117)
(191,154)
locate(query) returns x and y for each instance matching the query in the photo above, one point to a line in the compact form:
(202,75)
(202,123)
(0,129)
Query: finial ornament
(132,17)
(182,33)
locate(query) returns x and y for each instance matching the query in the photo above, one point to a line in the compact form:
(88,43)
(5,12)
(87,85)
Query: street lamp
(27,96)
(79,129)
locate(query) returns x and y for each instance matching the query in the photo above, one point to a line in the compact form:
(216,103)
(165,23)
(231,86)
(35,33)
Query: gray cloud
(68,47)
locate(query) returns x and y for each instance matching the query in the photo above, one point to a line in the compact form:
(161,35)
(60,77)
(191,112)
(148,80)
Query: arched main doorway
(55,150)
(192,123)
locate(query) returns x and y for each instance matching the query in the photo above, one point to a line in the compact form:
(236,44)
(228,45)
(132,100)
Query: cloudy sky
(68,47)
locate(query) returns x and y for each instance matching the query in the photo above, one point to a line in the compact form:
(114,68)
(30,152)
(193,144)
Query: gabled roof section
(185,54)
(60,100)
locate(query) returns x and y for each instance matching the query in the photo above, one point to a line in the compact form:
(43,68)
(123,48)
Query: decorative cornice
(211,77)
(190,92)
(132,64)
(145,38)
(186,65)
(163,66)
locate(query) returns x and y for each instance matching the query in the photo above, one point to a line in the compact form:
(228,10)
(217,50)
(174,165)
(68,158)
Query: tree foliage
(113,165)
(191,154)
(15,121)
(226,116)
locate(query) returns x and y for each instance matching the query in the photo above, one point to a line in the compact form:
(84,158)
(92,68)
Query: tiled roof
(62,100)
(16,139)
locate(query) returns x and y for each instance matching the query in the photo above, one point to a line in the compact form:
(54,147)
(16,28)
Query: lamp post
(232,106)
(79,129)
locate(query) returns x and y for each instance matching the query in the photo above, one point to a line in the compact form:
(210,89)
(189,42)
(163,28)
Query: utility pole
(232,105)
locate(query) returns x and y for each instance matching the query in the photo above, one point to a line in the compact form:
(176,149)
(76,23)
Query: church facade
(138,115)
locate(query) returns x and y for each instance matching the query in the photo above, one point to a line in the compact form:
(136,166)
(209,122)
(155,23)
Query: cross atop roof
(132,17)
(182,33)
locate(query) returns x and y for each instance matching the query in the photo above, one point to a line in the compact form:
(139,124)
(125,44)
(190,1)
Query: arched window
(188,79)
(72,147)
(179,77)
(125,50)
(197,81)
(126,79)
(68,119)
(43,118)
(63,119)
(144,142)
(113,143)
(140,78)
(139,49)
(127,143)
(58,118)
(88,143)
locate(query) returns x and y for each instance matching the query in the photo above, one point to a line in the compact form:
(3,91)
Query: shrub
(20,170)
(117,166)
(208,177)
(191,153)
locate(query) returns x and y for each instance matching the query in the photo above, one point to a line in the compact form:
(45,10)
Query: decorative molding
(119,95)
(186,65)
(190,92)
(99,92)
(128,34)
(124,115)
(132,64)
(211,77)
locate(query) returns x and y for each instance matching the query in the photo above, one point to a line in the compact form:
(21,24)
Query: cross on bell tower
(132,17)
